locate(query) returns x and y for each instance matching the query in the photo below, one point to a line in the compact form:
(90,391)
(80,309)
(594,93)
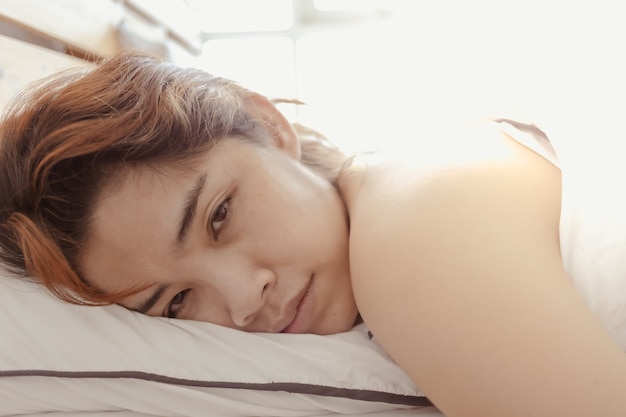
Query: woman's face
(247,238)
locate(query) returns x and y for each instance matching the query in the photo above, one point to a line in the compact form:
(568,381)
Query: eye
(177,304)
(220,216)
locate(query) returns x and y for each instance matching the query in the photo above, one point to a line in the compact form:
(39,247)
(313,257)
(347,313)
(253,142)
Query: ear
(283,135)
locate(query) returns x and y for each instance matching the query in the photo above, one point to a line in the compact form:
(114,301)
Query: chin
(339,326)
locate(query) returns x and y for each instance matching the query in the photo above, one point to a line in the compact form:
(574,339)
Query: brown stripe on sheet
(295,388)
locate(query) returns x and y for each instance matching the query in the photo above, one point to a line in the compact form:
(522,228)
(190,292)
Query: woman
(178,194)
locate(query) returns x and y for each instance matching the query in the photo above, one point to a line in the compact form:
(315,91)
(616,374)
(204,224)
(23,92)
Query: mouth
(304,312)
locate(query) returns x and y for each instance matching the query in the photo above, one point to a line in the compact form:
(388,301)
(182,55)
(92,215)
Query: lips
(303,313)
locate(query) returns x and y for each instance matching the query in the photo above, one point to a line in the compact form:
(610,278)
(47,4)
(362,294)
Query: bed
(64,360)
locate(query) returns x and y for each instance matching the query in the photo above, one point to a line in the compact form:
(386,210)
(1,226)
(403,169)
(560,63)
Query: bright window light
(263,64)
(357,5)
(219,16)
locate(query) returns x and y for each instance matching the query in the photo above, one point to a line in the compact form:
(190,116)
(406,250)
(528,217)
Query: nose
(249,295)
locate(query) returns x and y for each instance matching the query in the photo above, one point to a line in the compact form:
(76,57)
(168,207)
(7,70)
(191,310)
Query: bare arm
(458,274)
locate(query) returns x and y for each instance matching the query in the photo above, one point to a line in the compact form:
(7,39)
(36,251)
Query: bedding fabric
(421,412)
(56,357)
(592,228)
(593,216)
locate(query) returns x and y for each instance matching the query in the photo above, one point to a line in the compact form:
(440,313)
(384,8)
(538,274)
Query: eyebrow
(190,209)
(152,300)
(188,214)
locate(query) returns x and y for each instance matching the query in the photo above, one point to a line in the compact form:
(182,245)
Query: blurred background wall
(373,71)
(378,73)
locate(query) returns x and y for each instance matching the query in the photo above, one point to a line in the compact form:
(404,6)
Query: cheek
(297,213)
(207,306)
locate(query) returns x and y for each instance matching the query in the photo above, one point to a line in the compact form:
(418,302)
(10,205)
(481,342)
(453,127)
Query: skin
(453,261)
(477,290)
(267,250)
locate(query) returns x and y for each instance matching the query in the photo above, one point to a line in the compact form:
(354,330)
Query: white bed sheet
(420,412)
(62,358)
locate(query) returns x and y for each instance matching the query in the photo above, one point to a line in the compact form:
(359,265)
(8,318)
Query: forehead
(138,193)
(134,226)
(143,182)
(132,221)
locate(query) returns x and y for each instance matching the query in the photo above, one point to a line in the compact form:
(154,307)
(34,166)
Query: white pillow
(57,357)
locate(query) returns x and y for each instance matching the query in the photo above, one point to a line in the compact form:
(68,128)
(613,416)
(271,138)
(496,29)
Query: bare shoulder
(457,271)
(450,182)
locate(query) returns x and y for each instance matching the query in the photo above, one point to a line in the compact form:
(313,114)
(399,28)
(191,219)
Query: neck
(352,177)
